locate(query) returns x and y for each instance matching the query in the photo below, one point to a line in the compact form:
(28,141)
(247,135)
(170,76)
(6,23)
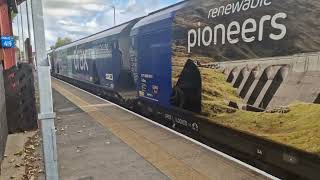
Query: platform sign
(7,41)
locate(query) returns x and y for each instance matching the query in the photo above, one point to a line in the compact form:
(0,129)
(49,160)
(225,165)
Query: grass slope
(300,128)
(215,92)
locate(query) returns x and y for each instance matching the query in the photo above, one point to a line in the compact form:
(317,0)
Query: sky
(79,18)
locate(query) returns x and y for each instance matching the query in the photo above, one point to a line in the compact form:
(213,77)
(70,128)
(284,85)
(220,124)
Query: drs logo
(80,61)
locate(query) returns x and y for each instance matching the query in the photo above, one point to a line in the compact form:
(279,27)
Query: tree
(13,15)
(16,38)
(61,41)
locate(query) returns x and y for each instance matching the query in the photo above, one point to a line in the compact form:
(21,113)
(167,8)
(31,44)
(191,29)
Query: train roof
(105,33)
(152,17)
(158,15)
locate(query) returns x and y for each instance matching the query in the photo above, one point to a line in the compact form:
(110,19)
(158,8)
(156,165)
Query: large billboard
(270,38)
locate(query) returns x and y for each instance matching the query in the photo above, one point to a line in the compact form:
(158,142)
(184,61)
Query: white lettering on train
(80,61)
(237,7)
(249,31)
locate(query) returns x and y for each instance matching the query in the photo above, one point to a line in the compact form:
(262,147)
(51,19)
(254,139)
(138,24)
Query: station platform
(99,140)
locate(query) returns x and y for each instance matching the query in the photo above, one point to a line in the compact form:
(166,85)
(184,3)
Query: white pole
(29,31)
(46,115)
(19,38)
(22,35)
(114,15)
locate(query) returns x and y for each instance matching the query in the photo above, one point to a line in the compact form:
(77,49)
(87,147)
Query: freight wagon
(241,76)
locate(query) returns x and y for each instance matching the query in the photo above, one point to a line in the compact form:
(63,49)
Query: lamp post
(27,10)
(22,35)
(114,14)
(19,39)
(29,51)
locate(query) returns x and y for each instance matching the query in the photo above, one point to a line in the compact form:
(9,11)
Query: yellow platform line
(153,153)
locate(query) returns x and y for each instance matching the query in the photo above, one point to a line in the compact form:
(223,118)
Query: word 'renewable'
(236,7)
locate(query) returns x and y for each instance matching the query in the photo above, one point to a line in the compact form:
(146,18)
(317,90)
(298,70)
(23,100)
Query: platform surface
(98,140)
(13,164)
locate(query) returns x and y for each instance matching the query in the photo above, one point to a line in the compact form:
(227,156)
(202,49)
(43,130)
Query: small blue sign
(7,41)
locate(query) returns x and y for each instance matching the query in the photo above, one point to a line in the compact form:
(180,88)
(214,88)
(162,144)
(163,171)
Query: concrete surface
(304,87)
(86,150)
(125,146)
(300,77)
(3,117)
(13,163)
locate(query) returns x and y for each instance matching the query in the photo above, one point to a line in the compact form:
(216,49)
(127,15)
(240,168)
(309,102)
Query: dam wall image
(269,83)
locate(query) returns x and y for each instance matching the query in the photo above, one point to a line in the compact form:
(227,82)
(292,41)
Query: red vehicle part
(7,55)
